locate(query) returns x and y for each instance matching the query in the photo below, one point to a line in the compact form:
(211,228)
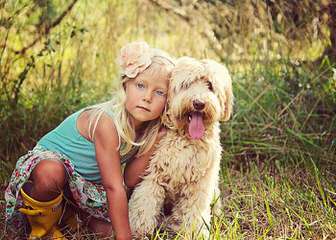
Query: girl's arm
(135,169)
(108,159)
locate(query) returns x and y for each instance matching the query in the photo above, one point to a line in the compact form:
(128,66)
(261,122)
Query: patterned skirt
(88,196)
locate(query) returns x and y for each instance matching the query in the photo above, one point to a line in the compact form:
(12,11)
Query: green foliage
(281,114)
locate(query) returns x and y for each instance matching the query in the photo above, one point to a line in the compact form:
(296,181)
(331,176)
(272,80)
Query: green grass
(259,205)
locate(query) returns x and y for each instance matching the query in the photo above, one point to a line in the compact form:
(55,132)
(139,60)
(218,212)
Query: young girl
(85,152)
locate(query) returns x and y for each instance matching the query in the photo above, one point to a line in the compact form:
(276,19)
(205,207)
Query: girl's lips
(144,108)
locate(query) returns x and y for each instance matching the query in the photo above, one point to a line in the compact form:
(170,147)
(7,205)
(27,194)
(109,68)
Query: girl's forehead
(158,75)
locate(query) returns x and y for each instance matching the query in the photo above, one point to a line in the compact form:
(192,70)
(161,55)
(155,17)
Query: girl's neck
(139,130)
(138,126)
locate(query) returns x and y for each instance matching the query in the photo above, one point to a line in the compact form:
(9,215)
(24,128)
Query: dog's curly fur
(183,170)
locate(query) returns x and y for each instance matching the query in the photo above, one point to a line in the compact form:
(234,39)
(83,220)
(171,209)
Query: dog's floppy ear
(165,118)
(228,101)
(222,80)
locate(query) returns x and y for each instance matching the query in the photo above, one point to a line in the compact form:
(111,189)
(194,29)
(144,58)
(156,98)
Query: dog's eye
(210,86)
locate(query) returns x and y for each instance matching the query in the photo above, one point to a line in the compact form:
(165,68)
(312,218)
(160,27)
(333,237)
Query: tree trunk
(330,51)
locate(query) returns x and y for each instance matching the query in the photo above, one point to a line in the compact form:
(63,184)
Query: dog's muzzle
(198,105)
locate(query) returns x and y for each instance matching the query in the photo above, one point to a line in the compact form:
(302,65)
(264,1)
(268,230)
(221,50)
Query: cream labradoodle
(185,169)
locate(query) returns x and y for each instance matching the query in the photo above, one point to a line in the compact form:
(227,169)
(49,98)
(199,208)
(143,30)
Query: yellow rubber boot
(43,216)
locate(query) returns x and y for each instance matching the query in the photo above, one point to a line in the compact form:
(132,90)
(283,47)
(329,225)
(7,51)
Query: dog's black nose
(198,105)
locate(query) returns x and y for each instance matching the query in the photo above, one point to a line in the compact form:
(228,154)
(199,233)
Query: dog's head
(199,95)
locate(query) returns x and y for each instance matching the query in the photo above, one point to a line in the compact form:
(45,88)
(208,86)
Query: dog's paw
(141,224)
(172,224)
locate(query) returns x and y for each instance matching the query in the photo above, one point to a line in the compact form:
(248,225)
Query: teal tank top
(67,140)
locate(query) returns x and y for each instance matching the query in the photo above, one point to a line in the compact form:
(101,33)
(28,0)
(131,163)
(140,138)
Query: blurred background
(278,169)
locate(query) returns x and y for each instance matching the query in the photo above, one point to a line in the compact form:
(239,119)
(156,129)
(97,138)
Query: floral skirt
(88,196)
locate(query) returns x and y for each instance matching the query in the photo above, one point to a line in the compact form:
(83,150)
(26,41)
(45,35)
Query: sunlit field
(279,161)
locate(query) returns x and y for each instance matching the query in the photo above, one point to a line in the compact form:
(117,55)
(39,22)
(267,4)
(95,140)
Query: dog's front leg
(145,206)
(192,212)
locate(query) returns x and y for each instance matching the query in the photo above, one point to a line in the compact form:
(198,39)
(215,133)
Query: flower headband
(135,57)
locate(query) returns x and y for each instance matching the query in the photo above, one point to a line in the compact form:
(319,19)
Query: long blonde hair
(120,116)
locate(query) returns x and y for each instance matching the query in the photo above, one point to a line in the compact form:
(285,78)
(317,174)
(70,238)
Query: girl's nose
(147,96)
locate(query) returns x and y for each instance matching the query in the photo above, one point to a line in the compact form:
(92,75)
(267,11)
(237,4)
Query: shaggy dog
(185,168)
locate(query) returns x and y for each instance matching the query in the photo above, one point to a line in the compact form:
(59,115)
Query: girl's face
(146,94)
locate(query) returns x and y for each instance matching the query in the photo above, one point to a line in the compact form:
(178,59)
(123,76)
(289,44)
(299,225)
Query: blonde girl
(85,152)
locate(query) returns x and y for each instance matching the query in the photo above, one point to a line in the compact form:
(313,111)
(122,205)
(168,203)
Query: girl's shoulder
(93,122)
(104,130)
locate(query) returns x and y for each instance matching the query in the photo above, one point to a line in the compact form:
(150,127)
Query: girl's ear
(124,81)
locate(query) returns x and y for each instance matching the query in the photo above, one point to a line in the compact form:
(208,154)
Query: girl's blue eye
(160,93)
(140,85)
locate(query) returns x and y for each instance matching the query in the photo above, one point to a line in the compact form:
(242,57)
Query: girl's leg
(47,180)
(42,196)
(100,227)
(95,225)
(135,170)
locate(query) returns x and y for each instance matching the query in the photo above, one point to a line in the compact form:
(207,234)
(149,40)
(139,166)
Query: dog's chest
(180,161)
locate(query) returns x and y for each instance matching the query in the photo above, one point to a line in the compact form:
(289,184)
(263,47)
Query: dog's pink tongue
(196,126)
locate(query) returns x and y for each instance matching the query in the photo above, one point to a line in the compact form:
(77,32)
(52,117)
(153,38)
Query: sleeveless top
(67,140)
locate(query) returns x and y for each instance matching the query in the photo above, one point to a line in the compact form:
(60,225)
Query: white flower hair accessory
(134,58)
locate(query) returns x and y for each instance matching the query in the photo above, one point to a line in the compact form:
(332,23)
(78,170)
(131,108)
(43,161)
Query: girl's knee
(49,174)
